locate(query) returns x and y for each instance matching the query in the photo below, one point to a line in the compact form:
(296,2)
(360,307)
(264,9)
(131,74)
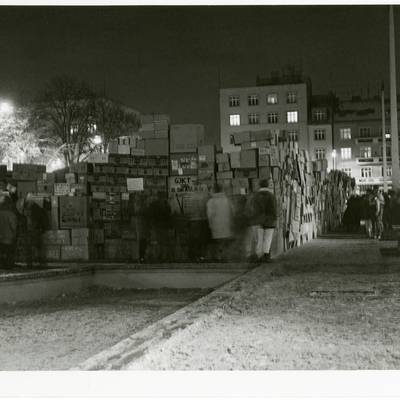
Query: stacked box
(75,253)
(28,172)
(186,138)
(73,212)
(56,237)
(184,164)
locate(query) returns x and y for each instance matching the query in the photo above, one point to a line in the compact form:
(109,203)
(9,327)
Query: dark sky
(166,59)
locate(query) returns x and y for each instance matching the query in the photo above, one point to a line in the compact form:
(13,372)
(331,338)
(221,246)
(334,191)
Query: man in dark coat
(8,230)
(262,215)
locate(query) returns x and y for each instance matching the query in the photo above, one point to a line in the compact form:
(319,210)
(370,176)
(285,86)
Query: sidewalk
(332,304)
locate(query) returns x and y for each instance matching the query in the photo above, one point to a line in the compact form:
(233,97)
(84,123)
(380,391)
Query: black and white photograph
(199,187)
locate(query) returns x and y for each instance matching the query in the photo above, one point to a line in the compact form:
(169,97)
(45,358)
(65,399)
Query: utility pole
(385,185)
(393,106)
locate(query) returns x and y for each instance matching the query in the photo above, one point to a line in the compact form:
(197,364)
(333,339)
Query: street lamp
(97,140)
(333,158)
(6,108)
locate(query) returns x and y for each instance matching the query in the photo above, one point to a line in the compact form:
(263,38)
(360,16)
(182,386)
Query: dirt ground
(333,304)
(62,332)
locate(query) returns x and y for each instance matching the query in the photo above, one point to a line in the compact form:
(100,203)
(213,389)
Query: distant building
(320,141)
(276,104)
(358,140)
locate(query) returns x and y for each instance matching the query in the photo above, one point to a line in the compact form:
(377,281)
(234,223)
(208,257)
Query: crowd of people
(373,212)
(212,230)
(21,223)
(218,223)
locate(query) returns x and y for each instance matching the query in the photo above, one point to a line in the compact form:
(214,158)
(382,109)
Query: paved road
(331,304)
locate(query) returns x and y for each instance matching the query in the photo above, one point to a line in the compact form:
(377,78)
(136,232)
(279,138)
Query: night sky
(174,59)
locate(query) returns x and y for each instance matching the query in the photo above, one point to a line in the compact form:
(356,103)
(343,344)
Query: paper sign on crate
(134,184)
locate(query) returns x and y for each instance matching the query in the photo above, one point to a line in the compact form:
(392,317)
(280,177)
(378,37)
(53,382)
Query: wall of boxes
(89,205)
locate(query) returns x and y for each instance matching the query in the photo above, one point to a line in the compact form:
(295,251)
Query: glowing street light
(97,140)
(6,108)
(333,157)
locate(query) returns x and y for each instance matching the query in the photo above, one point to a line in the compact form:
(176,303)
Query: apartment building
(276,106)
(357,131)
(320,141)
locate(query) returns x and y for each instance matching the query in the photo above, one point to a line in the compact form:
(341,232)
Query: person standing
(219,214)
(8,230)
(380,205)
(262,215)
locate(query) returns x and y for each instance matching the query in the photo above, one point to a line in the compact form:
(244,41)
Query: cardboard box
(137,152)
(241,183)
(75,253)
(224,166)
(248,159)
(56,237)
(224,175)
(25,187)
(222,158)
(62,189)
(73,212)
(80,236)
(156,147)
(241,137)
(186,138)
(263,157)
(98,158)
(179,184)
(264,173)
(206,155)
(51,252)
(235,160)
(246,173)
(134,184)
(184,164)
(206,174)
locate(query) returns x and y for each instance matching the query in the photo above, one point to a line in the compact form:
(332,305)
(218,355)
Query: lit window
(291,97)
(319,115)
(292,117)
(254,119)
(272,98)
(319,154)
(293,135)
(345,133)
(234,101)
(365,152)
(319,134)
(253,100)
(387,133)
(234,120)
(347,171)
(272,118)
(365,132)
(345,153)
(366,172)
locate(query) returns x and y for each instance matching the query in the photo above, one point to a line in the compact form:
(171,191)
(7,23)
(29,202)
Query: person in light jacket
(261,213)
(219,214)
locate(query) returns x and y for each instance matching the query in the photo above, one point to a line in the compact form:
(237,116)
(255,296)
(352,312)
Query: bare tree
(63,113)
(69,114)
(18,142)
(114,120)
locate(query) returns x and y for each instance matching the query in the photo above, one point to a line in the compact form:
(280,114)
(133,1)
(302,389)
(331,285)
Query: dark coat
(8,221)
(261,209)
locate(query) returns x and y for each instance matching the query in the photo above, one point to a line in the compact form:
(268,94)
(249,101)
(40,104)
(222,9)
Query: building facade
(276,107)
(320,140)
(357,135)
